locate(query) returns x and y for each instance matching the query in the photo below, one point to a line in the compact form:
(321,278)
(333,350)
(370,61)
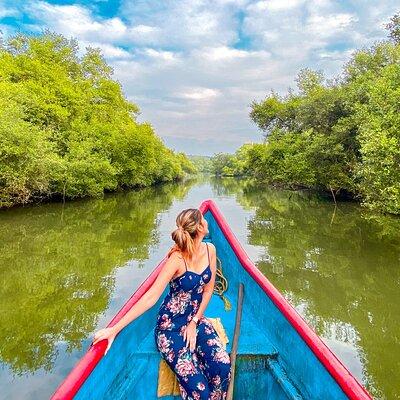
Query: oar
(229,395)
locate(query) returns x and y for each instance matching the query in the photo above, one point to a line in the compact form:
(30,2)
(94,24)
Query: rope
(221,286)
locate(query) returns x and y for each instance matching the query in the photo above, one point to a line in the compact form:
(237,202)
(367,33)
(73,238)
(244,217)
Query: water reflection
(58,265)
(341,273)
(57,268)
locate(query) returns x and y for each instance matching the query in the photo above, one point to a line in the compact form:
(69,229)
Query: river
(66,269)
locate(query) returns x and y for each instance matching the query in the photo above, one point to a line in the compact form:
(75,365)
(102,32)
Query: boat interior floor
(252,340)
(255,354)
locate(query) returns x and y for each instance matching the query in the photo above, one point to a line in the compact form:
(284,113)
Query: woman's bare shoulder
(175,255)
(172,262)
(212,248)
(211,245)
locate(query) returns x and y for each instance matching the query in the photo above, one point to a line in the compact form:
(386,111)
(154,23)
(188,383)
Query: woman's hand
(190,334)
(106,333)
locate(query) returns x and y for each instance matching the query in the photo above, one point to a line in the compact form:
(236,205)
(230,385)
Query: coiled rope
(221,286)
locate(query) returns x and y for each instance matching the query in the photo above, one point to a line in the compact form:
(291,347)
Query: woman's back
(183,299)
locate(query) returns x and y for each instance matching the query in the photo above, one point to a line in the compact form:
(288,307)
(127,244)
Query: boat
(278,355)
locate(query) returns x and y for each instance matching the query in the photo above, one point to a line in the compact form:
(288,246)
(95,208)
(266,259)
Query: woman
(186,339)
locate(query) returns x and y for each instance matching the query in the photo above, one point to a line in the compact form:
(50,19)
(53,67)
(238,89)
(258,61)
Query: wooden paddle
(229,395)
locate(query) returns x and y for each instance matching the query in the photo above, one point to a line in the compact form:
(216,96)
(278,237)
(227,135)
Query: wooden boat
(278,356)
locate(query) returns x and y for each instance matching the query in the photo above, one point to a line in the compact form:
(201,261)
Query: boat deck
(252,340)
(255,351)
(279,357)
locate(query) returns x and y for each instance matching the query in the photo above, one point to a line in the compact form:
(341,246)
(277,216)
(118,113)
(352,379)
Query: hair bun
(187,223)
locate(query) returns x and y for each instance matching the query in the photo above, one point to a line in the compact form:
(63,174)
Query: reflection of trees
(230,186)
(58,263)
(343,276)
(226,186)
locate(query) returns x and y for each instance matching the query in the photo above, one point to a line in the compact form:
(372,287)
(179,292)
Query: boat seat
(284,381)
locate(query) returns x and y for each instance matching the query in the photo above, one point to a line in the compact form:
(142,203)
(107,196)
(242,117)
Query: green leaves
(66,127)
(342,136)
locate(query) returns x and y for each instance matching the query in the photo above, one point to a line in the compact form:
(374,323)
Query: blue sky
(194,67)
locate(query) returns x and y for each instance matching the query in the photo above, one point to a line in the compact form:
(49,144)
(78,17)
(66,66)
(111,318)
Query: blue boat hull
(273,360)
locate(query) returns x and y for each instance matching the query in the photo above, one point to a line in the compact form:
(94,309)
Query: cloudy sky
(194,66)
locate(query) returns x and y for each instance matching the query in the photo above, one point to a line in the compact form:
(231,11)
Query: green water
(67,269)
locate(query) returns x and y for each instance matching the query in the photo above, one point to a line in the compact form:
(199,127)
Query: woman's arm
(151,296)
(143,304)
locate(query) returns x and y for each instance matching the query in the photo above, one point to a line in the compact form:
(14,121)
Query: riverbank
(66,129)
(338,135)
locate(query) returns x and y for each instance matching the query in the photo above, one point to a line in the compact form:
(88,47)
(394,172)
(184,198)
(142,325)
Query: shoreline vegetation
(66,129)
(340,136)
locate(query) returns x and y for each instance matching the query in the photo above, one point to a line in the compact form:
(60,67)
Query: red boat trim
(71,385)
(351,387)
(349,384)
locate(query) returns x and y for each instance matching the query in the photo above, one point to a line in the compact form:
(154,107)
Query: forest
(340,136)
(66,128)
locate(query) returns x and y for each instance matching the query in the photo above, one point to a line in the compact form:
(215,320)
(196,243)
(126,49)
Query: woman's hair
(187,222)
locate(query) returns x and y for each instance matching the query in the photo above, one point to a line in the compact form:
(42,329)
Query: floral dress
(205,372)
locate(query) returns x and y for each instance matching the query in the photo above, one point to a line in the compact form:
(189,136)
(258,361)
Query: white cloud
(143,34)
(166,56)
(275,5)
(199,93)
(329,25)
(109,51)
(224,53)
(186,23)
(8,11)
(65,19)
(336,55)
(194,66)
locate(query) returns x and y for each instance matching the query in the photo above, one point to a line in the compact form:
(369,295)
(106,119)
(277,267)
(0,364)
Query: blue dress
(205,372)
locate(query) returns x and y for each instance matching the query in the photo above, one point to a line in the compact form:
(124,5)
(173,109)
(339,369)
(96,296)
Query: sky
(194,66)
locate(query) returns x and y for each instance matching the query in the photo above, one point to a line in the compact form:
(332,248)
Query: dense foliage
(202,163)
(66,128)
(224,164)
(341,135)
